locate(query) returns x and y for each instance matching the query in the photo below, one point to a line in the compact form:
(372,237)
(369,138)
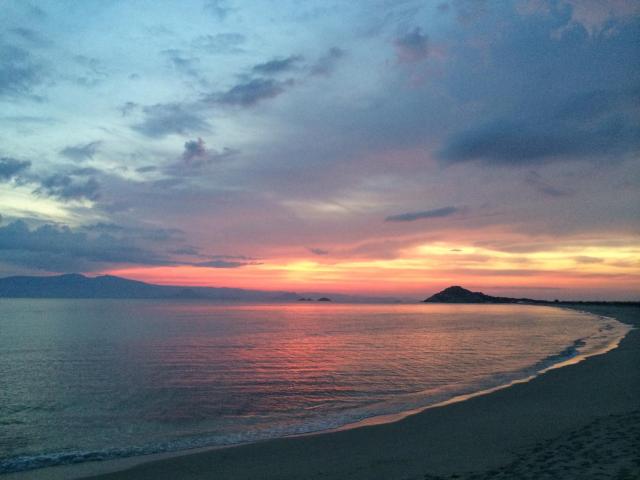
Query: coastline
(481,431)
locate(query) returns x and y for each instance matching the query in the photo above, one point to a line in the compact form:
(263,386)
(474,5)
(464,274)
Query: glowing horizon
(416,275)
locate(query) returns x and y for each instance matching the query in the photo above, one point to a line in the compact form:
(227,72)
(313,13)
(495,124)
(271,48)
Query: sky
(368,147)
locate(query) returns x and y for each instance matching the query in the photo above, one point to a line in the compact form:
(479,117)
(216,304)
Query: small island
(457,294)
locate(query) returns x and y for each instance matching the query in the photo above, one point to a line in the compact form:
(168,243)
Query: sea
(87,380)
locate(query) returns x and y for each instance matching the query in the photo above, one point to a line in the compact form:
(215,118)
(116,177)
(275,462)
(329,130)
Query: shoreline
(132,467)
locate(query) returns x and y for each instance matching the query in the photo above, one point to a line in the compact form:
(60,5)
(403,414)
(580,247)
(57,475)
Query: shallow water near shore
(101,379)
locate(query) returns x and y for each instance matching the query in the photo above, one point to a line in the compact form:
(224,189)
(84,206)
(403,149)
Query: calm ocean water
(84,380)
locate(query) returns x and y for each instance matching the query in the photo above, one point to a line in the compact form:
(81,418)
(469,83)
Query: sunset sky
(369,147)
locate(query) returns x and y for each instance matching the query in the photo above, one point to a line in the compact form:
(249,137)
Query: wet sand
(581,421)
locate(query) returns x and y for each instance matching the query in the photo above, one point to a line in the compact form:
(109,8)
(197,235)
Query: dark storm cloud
(19,73)
(252,92)
(413,216)
(59,248)
(412,47)
(164,119)
(81,152)
(11,167)
(277,65)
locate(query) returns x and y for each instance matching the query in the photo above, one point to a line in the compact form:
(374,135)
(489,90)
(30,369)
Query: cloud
(154,234)
(91,74)
(228,261)
(318,251)
(412,47)
(10,167)
(85,171)
(534,97)
(252,92)
(595,16)
(586,125)
(61,249)
(597,104)
(165,119)
(413,216)
(277,65)
(30,36)
(327,63)
(184,64)
(506,141)
(73,185)
(196,155)
(534,180)
(192,251)
(224,264)
(194,151)
(127,108)
(20,72)
(503,142)
(81,152)
(219,8)
(220,43)
(587,259)
(66,187)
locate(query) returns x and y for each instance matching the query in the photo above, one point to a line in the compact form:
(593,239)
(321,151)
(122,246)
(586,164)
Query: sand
(577,422)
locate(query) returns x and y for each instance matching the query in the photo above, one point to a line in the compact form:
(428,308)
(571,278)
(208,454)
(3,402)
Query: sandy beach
(581,421)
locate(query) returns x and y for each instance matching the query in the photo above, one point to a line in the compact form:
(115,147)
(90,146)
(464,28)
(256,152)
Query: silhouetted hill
(458,294)
(74,285)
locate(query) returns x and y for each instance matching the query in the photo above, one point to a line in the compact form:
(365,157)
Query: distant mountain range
(75,285)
